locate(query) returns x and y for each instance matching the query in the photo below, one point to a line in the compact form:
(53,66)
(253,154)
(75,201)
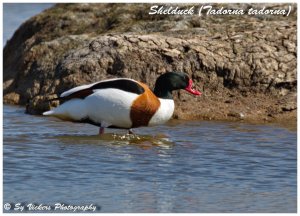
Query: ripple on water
(178,167)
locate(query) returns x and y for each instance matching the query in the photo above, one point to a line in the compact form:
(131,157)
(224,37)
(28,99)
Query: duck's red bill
(191,90)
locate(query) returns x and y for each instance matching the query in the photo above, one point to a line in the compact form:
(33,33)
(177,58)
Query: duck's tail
(48,113)
(74,109)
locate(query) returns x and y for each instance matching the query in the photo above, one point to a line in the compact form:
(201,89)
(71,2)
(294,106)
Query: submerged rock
(250,57)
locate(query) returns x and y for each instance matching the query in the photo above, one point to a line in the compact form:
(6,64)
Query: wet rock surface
(244,65)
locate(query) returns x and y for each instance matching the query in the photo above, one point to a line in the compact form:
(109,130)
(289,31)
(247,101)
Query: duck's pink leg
(101,130)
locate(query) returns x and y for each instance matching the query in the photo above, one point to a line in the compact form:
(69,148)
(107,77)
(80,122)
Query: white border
(143,1)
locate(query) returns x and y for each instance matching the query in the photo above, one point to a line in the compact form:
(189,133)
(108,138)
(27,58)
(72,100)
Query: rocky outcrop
(245,65)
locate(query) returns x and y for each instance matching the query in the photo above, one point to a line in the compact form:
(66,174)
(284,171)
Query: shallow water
(179,167)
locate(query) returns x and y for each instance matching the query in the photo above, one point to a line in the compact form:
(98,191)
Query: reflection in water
(141,141)
(179,167)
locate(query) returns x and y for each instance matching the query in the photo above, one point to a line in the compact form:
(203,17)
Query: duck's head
(170,81)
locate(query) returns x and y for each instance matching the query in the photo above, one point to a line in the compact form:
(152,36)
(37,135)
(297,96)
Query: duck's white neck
(164,113)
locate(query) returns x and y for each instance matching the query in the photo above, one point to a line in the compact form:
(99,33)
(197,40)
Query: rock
(289,107)
(73,44)
(235,114)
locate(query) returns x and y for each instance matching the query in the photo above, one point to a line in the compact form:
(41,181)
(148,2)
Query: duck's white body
(164,113)
(122,103)
(109,107)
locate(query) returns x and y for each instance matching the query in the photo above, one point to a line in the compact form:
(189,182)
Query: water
(14,14)
(183,166)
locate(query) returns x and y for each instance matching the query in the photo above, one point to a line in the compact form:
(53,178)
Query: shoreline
(287,121)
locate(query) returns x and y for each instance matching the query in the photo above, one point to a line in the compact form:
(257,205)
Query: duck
(122,103)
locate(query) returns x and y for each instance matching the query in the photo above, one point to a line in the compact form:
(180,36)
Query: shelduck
(122,102)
